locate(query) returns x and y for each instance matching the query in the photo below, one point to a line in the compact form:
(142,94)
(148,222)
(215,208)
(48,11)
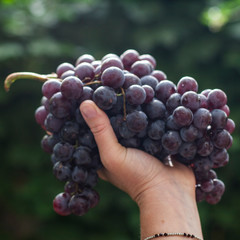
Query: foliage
(185,37)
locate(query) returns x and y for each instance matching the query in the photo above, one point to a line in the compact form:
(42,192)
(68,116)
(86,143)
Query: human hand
(164,194)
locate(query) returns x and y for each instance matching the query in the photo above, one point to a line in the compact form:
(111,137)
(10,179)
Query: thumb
(107,142)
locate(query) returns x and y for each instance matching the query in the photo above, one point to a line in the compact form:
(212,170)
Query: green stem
(26,75)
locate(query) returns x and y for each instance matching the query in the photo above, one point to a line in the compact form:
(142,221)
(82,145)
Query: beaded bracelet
(173,234)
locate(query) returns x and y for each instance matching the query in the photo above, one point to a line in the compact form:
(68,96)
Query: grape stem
(27,75)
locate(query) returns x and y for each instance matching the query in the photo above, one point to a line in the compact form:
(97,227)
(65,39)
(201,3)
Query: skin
(165,195)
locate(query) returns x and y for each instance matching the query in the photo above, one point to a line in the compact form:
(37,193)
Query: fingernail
(89,111)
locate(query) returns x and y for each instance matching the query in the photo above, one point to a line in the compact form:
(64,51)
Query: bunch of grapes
(146,111)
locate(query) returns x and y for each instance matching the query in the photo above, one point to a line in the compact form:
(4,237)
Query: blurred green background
(196,38)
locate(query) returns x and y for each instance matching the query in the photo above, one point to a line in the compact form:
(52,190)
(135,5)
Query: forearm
(168,212)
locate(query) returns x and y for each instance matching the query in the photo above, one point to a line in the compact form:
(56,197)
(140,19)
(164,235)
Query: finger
(99,123)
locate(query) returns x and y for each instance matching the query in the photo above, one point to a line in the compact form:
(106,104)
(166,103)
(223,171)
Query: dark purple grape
(136,121)
(40,115)
(189,134)
(85,58)
(155,109)
(152,146)
(206,92)
(67,74)
(48,142)
(171,124)
(70,132)
(217,98)
(182,116)
(215,195)
(204,147)
(135,95)
(63,67)
(61,171)
(79,175)
(230,126)
(111,62)
(159,75)
(200,195)
(219,157)
(164,90)
(221,139)
(45,103)
(87,139)
(91,195)
(149,93)
(81,156)
(50,87)
(60,204)
(78,205)
(92,178)
(87,94)
(191,100)
(207,186)
(85,71)
(149,80)
(219,119)
(109,55)
(71,187)
(171,141)
(113,77)
(63,151)
(59,106)
(131,79)
(202,118)
(186,84)
(188,150)
(173,102)
(141,68)
(129,57)
(156,129)
(149,58)
(72,88)
(202,164)
(105,97)
(226,109)
(53,124)
(203,101)
(124,131)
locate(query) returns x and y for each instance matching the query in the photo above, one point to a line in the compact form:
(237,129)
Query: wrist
(168,211)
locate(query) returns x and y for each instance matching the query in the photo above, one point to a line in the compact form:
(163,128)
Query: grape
(129,57)
(146,111)
(131,79)
(72,87)
(51,87)
(216,98)
(111,62)
(63,67)
(186,84)
(135,95)
(191,100)
(171,141)
(62,172)
(113,77)
(59,106)
(104,97)
(149,58)
(156,130)
(40,115)
(60,204)
(141,68)
(164,90)
(155,109)
(53,124)
(182,116)
(136,121)
(202,118)
(149,80)
(85,58)
(149,93)
(85,71)
(219,118)
(159,75)
(78,205)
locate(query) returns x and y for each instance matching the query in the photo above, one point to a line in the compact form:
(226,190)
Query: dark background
(196,38)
